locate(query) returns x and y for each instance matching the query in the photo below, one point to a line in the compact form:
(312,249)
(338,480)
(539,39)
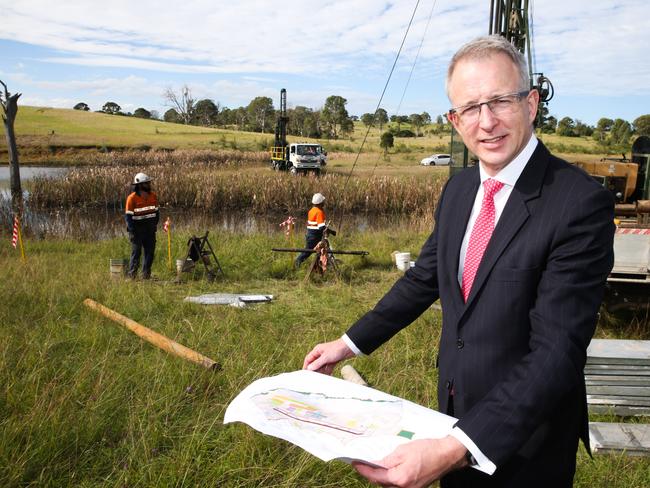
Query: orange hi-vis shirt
(316,219)
(142,208)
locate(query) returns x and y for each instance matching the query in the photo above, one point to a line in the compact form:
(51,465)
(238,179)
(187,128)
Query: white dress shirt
(508,176)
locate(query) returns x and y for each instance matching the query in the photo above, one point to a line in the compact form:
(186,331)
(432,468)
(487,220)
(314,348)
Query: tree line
(333,120)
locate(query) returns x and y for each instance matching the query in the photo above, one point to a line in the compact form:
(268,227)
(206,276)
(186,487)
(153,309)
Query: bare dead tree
(182,102)
(9,104)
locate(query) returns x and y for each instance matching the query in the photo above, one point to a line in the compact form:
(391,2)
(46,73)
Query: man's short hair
(485,46)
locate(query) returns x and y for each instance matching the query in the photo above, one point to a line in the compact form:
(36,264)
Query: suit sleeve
(409,297)
(562,323)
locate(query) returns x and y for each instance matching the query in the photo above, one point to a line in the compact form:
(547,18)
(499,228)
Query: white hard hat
(141,178)
(317,199)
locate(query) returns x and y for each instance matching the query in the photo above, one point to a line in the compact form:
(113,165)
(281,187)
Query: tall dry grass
(217,181)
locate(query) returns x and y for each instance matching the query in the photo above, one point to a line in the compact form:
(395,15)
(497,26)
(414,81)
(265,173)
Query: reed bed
(209,188)
(179,157)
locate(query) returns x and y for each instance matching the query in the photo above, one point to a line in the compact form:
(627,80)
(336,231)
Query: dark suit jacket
(514,354)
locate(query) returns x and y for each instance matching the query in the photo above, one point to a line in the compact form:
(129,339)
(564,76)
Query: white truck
(300,157)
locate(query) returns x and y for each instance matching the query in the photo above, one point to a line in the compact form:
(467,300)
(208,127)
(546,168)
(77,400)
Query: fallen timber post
(158,340)
(329,251)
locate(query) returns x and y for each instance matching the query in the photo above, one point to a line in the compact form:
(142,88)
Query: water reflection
(27,173)
(102,223)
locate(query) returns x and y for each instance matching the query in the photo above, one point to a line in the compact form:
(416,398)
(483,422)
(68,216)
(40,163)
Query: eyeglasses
(501,105)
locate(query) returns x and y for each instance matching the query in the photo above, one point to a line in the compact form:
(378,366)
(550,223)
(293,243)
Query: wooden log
(158,340)
(350,374)
(331,251)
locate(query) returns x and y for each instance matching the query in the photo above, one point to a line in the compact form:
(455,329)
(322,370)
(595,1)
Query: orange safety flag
(14,237)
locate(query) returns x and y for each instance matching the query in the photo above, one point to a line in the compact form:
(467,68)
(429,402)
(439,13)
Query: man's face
(496,140)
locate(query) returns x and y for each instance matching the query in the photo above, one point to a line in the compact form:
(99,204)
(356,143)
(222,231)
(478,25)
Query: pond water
(106,223)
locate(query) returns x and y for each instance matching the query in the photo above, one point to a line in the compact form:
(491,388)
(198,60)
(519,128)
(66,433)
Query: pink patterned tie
(480,235)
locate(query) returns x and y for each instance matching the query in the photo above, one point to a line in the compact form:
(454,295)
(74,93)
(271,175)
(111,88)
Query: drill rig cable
(408,81)
(365,137)
(417,55)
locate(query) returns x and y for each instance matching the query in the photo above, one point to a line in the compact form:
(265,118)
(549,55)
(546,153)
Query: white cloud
(587,48)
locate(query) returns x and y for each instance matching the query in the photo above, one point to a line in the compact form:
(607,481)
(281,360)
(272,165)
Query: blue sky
(60,53)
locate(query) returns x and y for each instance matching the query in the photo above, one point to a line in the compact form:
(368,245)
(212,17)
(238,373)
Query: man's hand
(417,464)
(324,357)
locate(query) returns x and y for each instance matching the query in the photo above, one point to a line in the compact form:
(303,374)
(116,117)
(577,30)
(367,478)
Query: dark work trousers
(142,239)
(553,465)
(312,238)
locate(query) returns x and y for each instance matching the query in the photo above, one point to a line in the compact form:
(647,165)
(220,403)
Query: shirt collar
(512,171)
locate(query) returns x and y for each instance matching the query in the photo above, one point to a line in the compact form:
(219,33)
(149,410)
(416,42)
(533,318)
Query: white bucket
(118,267)
(403,260)
(184,265)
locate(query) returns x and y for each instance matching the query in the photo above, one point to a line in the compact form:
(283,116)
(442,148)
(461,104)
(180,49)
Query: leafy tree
(206,113)
(111,108)
(426,118)
(381,118)
(240,116)
(621,132)
(582,129)
(260,111)
(142,113)
(565,127)
(642,125)
(82,106)
(550,125)
(225,117)
(182,103)
(304,122)
(416,122)
(387,140)
(368,120)
(172,116)
(335,115)
(440,120)
(604,124)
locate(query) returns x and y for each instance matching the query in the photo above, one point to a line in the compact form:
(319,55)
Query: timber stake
(158,340)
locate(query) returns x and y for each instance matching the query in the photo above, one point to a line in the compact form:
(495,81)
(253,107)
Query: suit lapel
(514,216)
(462,205)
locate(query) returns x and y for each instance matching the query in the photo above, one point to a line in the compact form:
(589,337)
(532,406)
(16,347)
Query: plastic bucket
(403,260)
(118,267)
(184,265)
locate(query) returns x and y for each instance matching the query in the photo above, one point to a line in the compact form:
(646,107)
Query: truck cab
(304,157)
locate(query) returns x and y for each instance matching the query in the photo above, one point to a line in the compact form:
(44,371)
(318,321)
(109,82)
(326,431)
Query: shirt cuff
(351,345)
(482,462)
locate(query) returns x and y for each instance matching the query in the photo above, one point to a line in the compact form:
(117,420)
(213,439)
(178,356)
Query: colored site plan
(332,418)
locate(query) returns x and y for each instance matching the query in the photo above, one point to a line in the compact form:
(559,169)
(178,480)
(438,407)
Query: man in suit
(519,255)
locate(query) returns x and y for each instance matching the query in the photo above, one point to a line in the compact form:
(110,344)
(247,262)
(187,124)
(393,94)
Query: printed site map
(332,418)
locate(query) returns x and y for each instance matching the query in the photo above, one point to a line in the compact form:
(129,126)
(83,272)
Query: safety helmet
(317,199)
(141,178)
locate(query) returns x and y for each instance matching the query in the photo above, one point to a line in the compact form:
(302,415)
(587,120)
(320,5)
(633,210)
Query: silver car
(436,160)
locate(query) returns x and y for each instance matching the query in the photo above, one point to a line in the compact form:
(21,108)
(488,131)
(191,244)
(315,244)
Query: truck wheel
(293,170)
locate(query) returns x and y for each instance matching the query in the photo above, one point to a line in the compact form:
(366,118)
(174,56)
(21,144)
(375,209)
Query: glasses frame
(454,112)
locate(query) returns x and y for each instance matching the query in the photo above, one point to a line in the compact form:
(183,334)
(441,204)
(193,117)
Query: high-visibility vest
(316,219)
(142,207)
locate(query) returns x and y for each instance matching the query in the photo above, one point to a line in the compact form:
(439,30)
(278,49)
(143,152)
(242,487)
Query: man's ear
(533,102)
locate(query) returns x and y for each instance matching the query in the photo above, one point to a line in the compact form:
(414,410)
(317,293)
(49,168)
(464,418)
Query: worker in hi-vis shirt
(315,227)
(141,217)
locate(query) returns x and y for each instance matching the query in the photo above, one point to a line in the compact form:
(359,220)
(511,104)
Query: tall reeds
(219,181)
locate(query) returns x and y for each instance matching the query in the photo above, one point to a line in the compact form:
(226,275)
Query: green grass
(60,136)
(84,402)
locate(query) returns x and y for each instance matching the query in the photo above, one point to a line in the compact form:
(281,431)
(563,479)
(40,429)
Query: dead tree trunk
(9,105)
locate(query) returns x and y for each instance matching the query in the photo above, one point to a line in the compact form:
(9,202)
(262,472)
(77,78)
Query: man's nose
(486,119)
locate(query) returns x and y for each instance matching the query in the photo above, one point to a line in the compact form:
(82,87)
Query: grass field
(61,136)
(83,402)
